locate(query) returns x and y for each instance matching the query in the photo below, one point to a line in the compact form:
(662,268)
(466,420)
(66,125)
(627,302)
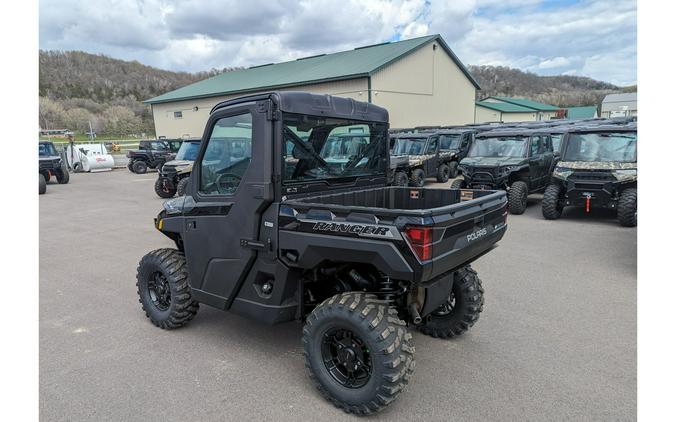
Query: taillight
(421,239)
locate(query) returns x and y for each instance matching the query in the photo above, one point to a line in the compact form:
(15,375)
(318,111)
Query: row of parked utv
(589,163)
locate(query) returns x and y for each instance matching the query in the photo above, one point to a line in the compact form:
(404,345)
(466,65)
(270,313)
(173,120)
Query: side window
(535,146)
(433,145)
(227,155)
(549,145)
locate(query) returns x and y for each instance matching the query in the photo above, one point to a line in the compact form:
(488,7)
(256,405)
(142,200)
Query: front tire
(64,178)
(163,191)
(182,186)
(163,289)
(401,179)
(627,208)
(461,310)
(139,167)
(359,353)
(417,178)
(443,173)
(552,205)
(43,184)
(454,169)
(518,197)
(457,184)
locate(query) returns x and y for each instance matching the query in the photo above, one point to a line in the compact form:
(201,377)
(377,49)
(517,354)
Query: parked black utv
(422,157)
(598,168)
(51,164)
(152,154)
(276,228)
(174,175)
(517,160)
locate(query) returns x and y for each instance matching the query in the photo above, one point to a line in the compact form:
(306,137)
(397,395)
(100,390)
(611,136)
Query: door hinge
(269,108)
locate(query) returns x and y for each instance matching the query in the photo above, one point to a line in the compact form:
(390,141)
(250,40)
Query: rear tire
(182,186)
(443,173)
(65,176)
(454,169)
(551,204)
(462,309)
(139,167)
(457,184)
(357,332)
(163,289)
(43,184)
(163,192)
(518,197)
(627,208)
(417,178)
(401,179)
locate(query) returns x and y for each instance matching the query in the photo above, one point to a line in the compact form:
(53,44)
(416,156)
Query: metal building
(619,105)
(508,109)
(420,81)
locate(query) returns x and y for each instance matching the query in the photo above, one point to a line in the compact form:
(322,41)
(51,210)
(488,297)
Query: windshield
(556,139)
(409,146)
(450,141)
(607,147)
(506,146)
(321,148)
(47,149)
(188,151)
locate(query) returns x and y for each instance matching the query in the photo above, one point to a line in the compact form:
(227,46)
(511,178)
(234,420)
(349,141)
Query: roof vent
(373,45)
(311,57)
(261,65)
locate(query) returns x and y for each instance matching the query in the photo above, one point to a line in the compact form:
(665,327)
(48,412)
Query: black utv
(152,154)
(175,174)
(597,168)
(422,158)
(275,231)
(51,164)
(517,160)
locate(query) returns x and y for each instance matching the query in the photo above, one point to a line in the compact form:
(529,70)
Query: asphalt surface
(556,339)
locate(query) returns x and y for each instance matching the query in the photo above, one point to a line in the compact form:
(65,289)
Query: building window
(177,114)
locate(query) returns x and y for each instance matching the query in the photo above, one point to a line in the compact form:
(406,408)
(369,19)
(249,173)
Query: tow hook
(588,203)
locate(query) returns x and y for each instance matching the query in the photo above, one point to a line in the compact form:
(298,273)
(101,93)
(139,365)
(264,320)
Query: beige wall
(519,117)
(424,88)
(193,122)
(484,115)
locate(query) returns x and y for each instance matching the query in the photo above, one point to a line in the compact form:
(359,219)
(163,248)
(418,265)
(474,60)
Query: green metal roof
(527,103)
(359,62)
(505,107)
(584,112)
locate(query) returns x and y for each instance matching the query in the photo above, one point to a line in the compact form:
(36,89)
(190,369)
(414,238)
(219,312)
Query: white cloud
(594,38)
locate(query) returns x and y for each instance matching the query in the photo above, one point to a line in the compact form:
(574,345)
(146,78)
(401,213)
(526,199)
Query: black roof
(315,105)
(629,127)
(512,131)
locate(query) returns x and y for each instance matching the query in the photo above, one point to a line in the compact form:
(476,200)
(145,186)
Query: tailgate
(461,234)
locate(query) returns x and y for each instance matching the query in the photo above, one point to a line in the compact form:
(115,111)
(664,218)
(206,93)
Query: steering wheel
(228,182)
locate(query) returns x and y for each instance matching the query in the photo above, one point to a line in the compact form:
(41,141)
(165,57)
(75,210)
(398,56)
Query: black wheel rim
(447,307)
(160,291)
(347,358)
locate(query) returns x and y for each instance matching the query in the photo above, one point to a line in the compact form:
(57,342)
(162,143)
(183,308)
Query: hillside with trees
(561,90)
(77,88)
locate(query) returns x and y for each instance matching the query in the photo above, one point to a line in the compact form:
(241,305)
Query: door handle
(256,245)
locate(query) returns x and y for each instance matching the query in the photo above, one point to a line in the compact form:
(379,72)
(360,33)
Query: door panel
(536,161)
(431,165)
(229,176)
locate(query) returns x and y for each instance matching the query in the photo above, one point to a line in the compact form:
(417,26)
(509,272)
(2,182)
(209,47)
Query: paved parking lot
(556,341)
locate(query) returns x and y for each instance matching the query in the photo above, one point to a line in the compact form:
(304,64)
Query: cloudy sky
(596,38)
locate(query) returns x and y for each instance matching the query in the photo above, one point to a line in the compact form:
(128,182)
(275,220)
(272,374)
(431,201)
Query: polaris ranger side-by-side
(51,165)
(514,159)
(174,175)
(597,168)
(152,154)
(276,231)
(424,158)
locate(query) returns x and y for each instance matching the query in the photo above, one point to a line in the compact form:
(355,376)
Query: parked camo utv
(152,154)
(425,159)
(51,164)
(514,159)
(279,234)
(598,168)
(175,174)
